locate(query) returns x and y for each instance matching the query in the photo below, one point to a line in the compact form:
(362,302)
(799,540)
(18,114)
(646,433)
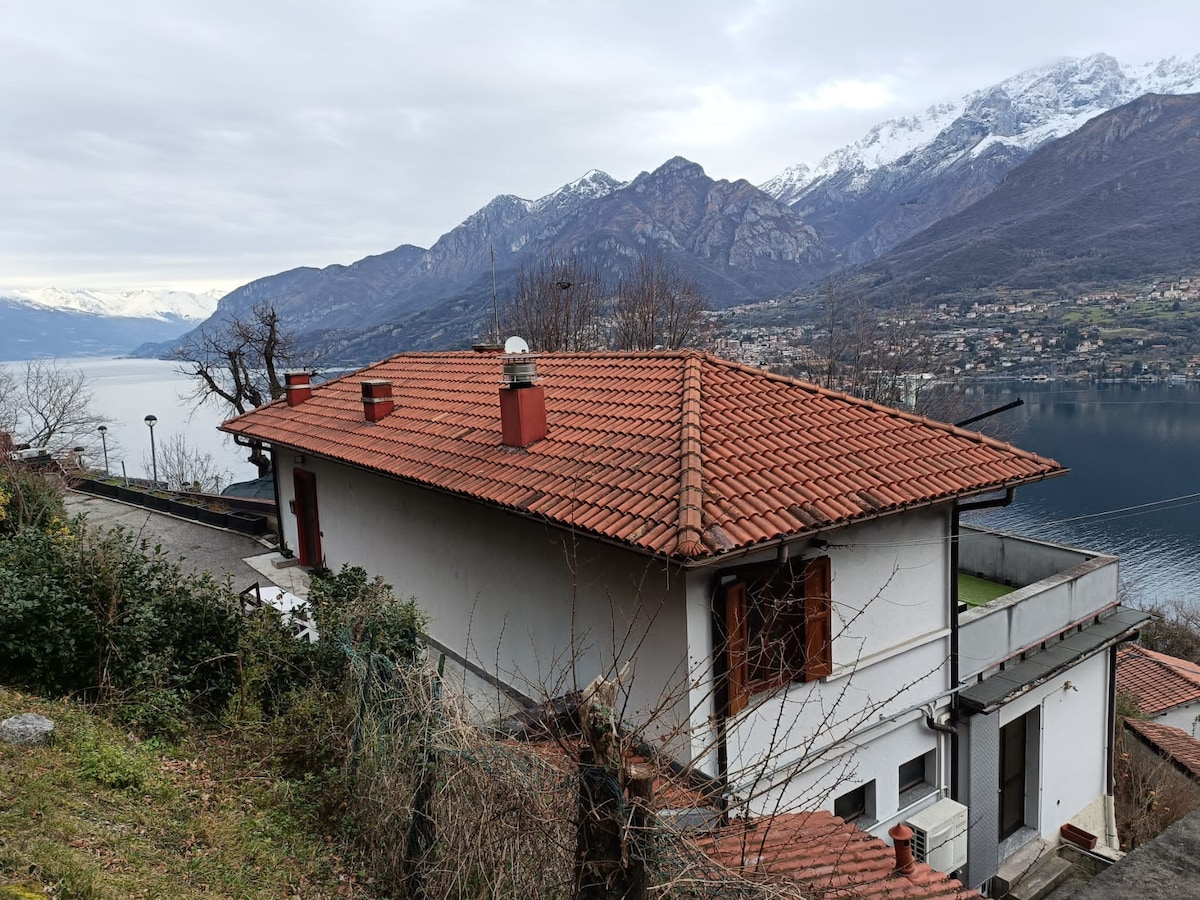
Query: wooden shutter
(737,658)
(818,620)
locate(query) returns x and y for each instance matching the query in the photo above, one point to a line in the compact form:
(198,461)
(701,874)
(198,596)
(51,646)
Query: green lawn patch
(975,591)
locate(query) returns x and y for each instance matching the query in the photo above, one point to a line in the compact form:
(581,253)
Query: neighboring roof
(1158,682)
(1174,743)
(675,453)
(832,859)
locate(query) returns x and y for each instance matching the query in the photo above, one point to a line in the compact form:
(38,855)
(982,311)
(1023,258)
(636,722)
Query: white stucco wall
(520,599)
(1185,717)
(890,589)
(1072,742)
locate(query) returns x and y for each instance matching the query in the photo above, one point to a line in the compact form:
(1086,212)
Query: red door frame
(308,524)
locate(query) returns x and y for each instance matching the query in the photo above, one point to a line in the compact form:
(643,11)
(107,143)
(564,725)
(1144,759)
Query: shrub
(104,617)
(29,499)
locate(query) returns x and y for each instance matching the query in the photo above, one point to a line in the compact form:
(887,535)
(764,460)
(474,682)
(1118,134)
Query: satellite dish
(516,345)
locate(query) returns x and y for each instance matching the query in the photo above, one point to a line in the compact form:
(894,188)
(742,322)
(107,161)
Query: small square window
(856,804)
(912,773)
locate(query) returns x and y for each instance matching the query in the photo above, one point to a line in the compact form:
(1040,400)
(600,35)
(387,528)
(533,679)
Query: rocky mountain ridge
(906,174)
(1116,200)
(739,242)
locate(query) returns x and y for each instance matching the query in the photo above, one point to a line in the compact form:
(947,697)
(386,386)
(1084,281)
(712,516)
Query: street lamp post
(150,421)
(103,429)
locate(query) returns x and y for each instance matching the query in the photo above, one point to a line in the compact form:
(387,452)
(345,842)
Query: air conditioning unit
(940,836)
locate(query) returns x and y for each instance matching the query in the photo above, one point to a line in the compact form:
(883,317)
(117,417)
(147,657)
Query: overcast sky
(163,143)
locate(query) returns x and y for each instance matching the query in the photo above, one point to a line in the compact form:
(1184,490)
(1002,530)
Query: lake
(127,390)
(1133,450)
(1134,485)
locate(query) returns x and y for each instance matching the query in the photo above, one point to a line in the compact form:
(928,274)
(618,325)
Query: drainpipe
(1110,816)
(955,534)
(283,547)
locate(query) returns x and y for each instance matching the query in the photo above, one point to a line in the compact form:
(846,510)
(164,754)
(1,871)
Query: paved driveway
(200,548)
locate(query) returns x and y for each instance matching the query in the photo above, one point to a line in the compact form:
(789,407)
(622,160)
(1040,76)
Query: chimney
(296,387)
(377,399)
(902,836)
(522,401)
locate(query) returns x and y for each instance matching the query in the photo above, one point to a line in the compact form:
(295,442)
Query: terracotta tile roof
(828,858)
(1158,682)
(1173,743)
(674,453)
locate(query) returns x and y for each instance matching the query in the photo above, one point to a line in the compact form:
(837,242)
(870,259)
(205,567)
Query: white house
(776,566)
(1166,688)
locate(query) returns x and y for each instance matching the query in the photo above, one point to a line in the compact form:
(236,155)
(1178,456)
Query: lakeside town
(1148,332)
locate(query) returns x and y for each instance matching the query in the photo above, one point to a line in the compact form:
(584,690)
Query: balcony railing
(1053,588)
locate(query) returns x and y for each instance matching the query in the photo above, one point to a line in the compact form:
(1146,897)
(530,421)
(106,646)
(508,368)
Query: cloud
(846,93)
(169,142)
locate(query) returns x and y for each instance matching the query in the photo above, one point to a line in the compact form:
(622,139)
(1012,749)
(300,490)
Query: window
(917,778)
(777,628)
(912,774)
(856,804)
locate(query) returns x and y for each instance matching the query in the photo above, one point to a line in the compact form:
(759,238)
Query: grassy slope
(98,815)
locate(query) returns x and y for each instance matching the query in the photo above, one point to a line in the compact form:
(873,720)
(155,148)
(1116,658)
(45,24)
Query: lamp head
(150,420)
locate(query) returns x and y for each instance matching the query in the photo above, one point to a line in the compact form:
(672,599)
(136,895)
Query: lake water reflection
(1129,446)
(127,390)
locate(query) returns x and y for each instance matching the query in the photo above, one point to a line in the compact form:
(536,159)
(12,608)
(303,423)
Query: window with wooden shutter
(818,624)
(778,629)
(737,675)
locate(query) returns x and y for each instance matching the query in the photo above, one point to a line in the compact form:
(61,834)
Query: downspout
(283,547)
(955,535)
(1111,838)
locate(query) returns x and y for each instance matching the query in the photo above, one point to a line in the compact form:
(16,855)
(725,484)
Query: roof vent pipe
(297,387)
(902,836)
(377,399)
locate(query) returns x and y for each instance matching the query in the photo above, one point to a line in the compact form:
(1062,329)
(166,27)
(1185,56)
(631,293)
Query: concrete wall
(1012,559)
(1009,624)
(521,600)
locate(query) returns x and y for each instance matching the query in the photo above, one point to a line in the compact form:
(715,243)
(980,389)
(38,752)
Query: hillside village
(1149,332)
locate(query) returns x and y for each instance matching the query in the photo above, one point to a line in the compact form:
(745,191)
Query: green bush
(29,499)
(101,616)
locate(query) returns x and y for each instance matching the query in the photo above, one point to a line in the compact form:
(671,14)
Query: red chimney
(522,402)
(296,387)
(377,399)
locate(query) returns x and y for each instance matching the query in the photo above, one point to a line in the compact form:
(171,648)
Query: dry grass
(100,815)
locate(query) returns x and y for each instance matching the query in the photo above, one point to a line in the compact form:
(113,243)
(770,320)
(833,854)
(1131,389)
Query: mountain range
(1116,200)
(58,322)
(740,242)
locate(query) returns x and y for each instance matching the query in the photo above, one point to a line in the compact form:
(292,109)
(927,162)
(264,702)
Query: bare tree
(557,305)
(656,306)
(49,405)
(184,467)
(239,365)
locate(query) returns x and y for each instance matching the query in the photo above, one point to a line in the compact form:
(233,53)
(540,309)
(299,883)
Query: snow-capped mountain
(737,243)
(905,174)
(160,305)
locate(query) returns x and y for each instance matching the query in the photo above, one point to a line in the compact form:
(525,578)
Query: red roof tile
(1174,743)
(1158,682)
(674,453)
(828,857)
